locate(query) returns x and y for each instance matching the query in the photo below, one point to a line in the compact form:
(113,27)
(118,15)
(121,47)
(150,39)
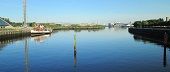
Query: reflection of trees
(94,30)
(79,30)
(89,30)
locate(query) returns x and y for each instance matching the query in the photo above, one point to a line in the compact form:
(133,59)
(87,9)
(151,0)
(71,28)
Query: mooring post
(165,38)
(165,45)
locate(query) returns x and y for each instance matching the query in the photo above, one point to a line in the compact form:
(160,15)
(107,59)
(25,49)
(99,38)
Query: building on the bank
(4,24)
(167,18)
(110,25)
(123,25)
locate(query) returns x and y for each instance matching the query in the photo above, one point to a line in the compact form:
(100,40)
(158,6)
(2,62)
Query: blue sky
(85,11)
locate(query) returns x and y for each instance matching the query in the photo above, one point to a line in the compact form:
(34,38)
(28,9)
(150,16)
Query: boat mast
(24,13)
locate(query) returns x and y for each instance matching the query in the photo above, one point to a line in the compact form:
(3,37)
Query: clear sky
(85,11)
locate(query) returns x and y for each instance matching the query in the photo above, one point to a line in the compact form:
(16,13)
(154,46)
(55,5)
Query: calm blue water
(108,50)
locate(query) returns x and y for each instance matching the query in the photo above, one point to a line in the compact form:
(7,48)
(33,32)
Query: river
(107,50)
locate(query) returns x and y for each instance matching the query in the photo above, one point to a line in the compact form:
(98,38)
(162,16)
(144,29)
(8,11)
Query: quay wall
(157,33)
(13,34)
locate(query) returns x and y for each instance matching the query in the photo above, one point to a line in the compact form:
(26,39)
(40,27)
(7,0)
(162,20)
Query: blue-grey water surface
(108,50)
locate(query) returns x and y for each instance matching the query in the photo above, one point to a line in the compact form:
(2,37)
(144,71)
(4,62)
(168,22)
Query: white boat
(41,32)
(40,29)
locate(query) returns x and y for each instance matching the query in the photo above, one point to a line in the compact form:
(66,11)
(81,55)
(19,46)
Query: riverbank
(157,33)
(15,32)
(9,33)
(73,27)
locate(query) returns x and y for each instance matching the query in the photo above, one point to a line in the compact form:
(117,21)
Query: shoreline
(156,33)
(12,33)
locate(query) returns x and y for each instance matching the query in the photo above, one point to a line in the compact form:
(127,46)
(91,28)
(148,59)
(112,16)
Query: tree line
(152,23)
(55,26)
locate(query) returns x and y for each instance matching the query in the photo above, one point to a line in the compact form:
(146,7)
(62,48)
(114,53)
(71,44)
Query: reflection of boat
(40,38)
(40,29)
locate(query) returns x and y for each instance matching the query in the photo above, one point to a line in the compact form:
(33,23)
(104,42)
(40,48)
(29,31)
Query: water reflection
(26,56)
(163,42)
(120,28)
(5,41)
(75,53)
(146,40)
(90,52)
(164,57)
(80,30)
(41,38)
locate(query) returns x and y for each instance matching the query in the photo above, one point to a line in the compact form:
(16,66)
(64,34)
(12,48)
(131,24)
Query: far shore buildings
(120,25)
(4,24)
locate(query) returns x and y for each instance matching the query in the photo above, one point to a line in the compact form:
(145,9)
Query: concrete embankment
(157,33)
(152,35)
(10,34)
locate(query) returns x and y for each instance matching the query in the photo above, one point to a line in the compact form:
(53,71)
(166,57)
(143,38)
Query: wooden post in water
(165,45)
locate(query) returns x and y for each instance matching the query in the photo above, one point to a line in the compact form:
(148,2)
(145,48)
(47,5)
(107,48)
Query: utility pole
(24,13)
(26,41)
